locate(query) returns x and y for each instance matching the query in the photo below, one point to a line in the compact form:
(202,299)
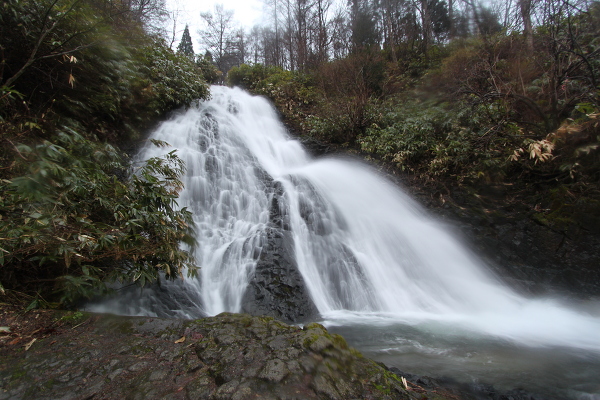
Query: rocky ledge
(230,356)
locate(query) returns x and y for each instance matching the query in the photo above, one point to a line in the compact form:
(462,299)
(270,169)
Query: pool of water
(441,351)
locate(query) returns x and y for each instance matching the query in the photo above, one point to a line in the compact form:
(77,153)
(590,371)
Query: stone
(280,365)
(158,375)
(274,371)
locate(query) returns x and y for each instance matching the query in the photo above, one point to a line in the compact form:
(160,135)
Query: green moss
(310,339)
(314,325)
(355,352)
(48,384)
(74,317)
(18,374)
(339,341)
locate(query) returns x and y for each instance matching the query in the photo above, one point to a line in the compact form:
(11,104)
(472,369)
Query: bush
(209,71)
(432,138)
(293,93)
(74,76)
(70,225)
(67,58)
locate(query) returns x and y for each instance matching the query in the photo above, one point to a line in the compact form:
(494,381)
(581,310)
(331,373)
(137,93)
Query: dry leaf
(404,382)
(180,340)
(28,345)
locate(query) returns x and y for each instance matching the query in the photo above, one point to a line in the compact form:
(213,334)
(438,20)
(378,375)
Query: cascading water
(370,257)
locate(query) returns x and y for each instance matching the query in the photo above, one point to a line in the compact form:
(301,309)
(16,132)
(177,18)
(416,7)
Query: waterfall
(366,251)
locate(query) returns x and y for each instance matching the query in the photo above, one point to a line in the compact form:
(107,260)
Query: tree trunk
(525,6)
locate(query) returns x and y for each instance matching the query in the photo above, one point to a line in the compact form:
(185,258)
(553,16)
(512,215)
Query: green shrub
(209,71)
(69,57)
(71,223)
(439,139)
(74,76)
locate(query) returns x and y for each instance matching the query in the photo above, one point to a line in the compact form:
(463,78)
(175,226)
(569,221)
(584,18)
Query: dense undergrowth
(80,81)
(478,111)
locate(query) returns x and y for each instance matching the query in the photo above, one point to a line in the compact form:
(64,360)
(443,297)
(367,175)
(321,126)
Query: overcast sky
(246,12)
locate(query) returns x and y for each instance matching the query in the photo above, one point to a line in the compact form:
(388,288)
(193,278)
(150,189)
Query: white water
(368,253)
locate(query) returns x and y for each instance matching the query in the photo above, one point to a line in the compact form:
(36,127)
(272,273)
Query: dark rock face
(277,288)
(523,249)
(539,259)
(316,147)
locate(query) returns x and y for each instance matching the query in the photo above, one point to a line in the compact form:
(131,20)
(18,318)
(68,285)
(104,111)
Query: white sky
(246,12)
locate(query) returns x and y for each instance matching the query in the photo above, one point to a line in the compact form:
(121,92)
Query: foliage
(253,77)
(209,71)
(76,75)
(492,110)
(69,221)
(172,80)
(120,90)
(185,45)
(438,139)
(67,56)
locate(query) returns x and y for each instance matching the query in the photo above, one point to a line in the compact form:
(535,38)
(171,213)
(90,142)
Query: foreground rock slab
(230,356)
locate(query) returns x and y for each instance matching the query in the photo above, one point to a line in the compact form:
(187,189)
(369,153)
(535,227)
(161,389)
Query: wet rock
(234,356)
(277,288)
(274,371)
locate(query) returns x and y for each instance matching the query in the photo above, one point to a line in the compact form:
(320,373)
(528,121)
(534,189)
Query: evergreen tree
(185,46)
(363,24)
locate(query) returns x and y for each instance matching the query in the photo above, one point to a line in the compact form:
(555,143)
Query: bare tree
(172,36)
(151,13)
(525,7)
(289,34)
(219,34)
(301,13)
(322,40)
(340,34)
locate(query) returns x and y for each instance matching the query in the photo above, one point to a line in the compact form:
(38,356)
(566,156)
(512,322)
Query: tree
(488,21)
(363,25)
(219,35)
(525,7)
(50,37)
(320,32)
(340,35)
(275,9)
(301,14)
(185,46)
(147,12)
